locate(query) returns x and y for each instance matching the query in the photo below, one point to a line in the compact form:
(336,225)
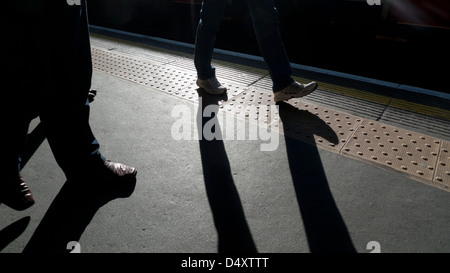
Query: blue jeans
(266,24)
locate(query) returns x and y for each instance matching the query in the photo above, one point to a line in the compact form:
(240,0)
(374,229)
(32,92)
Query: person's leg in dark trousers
(266,24)
(17,106)
(53,70)
(65,113)
(14,192)
(17,103)
(66,109)
(210,18)
(267,30)
(211,15)
(49,60)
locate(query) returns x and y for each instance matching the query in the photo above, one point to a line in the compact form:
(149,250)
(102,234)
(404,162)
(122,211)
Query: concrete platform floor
(205,197)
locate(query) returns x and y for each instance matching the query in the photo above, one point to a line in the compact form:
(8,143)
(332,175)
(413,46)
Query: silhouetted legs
(266,25)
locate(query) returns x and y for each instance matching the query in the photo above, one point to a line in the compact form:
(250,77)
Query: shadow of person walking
(72,211)
(13,231)
(324,226)
(234,235)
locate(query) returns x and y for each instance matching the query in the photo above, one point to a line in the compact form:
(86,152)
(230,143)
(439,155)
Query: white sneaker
(295,90)
(212,86)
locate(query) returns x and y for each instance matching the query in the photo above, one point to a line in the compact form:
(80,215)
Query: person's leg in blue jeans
(210,18)
(266,25)
(267,31)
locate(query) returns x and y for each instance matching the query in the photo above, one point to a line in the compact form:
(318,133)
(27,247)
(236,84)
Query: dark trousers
(266,24)
(50,62)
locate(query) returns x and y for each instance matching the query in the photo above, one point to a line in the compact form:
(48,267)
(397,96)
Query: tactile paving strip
(164,78)
(328,129)
(236,73)
(411,153)
(311,123)
(157,55)
(354,105)
(190,91)
(417,122)
(442,176)
(264,83)
(419,156)
(252,104)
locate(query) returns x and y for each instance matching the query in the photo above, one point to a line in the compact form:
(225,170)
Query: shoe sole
(288,97)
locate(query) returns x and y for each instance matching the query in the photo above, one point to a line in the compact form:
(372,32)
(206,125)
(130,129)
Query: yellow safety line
(420,108)
(351,92)
(384,100)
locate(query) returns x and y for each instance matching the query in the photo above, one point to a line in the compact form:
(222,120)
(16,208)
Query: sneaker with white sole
(212,86)
(295,90)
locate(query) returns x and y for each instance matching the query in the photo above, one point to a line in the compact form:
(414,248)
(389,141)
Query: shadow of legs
(324,225)
(72,211)
(229,219)
(11,232)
